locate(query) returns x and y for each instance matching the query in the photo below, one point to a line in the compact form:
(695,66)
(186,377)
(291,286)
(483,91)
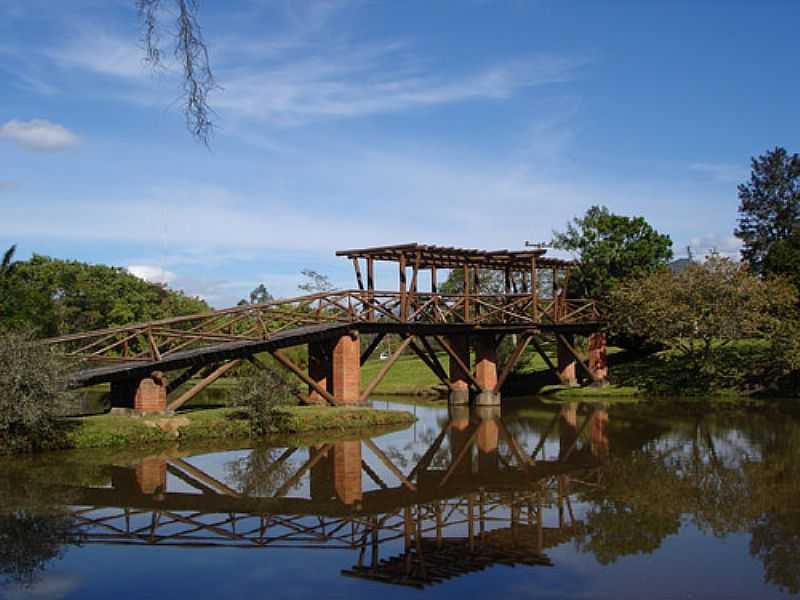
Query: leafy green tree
(53,297)
(263,389)
(610,248)
(259,295)
(32,394)
(769,213)
(700,311)
(315,282)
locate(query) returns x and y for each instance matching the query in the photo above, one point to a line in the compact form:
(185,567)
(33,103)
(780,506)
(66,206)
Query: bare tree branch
(191,52)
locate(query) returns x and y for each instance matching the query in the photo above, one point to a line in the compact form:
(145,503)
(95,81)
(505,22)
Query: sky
(355,123)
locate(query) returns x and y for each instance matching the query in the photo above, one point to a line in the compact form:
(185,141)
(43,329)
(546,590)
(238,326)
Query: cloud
(709,243)
(151,273)
(372,80)
(39,134)
(720,172)
(103,54)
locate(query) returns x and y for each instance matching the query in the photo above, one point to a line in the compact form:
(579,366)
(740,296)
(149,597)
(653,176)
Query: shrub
(261,391)
(32,394)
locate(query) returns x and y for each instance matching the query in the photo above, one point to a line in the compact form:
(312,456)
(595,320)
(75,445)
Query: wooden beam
(303,376)
(577,357)
(385,369)
(189,394)
(459,457)
(432,354)
(183,378)
(431,365)
(372,347)
(512,361)
(290,483)
(359,279)
(403,294)
(544,356)
(454,356)
(370,288)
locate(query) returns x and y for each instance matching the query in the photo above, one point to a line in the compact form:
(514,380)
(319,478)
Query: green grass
(221,423)
(409,376)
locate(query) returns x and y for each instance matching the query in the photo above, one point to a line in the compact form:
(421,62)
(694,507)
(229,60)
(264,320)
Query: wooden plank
(371,348)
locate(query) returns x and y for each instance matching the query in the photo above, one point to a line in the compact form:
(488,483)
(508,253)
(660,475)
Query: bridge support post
(488,438)
(567,372)
(346,369)
(598,358)
(148,395)
(459,392)
(319,370)
(567,430)
(486,370)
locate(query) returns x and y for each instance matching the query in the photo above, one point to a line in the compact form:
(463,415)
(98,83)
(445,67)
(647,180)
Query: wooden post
(371,287)
(466,295)
(403,299)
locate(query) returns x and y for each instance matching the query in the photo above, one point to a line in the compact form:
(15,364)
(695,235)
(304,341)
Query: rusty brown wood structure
(531,303)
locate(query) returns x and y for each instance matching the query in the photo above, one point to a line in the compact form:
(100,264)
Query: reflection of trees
(260,473)
(776,542)
(29,540)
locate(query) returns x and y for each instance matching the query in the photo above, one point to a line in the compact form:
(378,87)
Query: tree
(191,53)
(703,309)
(315,282)
(32,394)
(259,295)
(53,296)
(7,265)
(769,213)
(610,248)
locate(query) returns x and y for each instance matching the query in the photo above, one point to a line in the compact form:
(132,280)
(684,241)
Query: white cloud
(39,134)
(709,243)
(366,81)
(151,273)
(103,54)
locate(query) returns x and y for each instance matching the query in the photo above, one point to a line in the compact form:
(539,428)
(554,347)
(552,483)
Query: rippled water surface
(539,501)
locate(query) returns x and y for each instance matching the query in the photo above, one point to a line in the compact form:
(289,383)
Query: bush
(261,391)
(32,394)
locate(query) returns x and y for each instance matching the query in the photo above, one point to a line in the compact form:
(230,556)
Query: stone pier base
(147,396)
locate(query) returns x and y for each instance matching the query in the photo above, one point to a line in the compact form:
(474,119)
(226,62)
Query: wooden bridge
(531,302)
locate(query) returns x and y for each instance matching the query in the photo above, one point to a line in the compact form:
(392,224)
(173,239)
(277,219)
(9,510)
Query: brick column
(346,369)
(151,395)
(459,434)
(486,370)
(598,359)
(566,362)
(459,393)
(319,369)
(567,429)
(347,471)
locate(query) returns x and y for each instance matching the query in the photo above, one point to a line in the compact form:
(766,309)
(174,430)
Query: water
(616,503)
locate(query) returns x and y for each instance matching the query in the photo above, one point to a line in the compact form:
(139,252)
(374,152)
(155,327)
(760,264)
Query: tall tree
(769,213)
(610,248)
(315,282)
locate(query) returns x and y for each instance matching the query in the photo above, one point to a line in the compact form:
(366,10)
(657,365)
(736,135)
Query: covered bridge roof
(448,257)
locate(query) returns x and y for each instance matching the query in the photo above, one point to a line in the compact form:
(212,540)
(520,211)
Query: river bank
(109,430)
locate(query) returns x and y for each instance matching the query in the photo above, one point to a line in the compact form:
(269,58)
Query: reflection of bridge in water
(474,499)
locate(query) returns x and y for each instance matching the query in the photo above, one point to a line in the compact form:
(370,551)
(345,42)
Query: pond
(541,500)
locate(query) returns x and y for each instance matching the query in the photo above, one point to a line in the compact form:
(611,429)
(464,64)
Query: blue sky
(347,124)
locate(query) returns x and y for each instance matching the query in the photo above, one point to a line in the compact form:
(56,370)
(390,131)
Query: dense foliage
(769,213)
(699,313)
(32,393)
(54,297)
(610,248)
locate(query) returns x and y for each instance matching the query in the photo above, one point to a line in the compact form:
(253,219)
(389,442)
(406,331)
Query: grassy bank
(221,423)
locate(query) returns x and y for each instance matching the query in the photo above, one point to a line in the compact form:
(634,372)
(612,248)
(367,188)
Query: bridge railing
(152,341)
